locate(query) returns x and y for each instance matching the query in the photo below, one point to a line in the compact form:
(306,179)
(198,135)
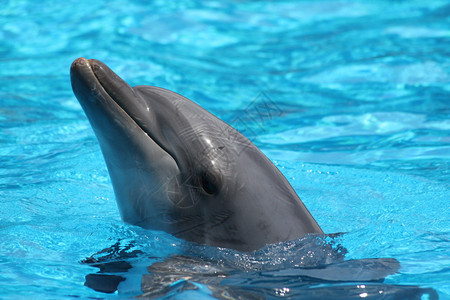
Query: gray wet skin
(175,167)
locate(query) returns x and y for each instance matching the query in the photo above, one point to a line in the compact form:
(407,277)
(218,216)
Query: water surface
(360,125)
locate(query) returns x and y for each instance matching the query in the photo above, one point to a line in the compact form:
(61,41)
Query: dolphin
(177,168)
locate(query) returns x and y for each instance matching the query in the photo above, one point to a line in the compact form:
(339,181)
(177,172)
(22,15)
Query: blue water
(361,127)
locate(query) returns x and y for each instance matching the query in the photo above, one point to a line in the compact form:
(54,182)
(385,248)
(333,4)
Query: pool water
(359,97)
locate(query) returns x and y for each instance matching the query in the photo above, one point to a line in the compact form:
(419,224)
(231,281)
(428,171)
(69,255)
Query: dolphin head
(175,167)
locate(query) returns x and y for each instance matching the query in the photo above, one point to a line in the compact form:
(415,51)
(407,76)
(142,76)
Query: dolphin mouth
(100,80)
(93,80)
(139,164)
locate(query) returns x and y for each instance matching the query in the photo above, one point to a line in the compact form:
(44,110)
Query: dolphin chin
(175,167)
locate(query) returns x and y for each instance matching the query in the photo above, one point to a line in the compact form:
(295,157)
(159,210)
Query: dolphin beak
(103,103)
(112,106)
(102,80)
(138,166)
(92,80)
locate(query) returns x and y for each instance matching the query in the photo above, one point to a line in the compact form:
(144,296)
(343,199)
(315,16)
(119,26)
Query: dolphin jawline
(116,90)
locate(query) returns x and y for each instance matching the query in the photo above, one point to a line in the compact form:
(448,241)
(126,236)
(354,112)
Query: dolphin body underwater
(177,168)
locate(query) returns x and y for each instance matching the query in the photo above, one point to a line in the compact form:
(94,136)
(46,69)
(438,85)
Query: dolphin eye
(209,183)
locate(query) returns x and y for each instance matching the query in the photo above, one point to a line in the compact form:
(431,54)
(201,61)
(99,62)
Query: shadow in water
(309,268)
